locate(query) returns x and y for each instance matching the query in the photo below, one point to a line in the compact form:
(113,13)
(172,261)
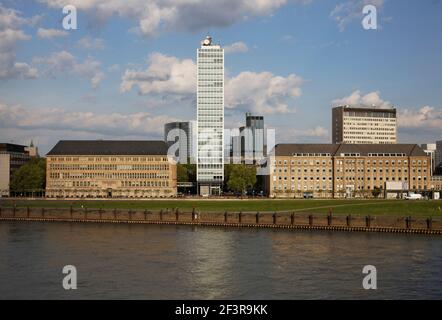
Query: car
(414,196)
(308,195)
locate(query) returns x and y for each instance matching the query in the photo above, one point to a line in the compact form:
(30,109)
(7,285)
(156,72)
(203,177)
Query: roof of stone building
(109,147)
(365,149)
(286,149)
(337,149)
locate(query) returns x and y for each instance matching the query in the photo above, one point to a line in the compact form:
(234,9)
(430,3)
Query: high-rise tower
(360,125)
(210,118)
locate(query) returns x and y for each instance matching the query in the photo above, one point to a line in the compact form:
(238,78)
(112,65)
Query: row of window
(108,176)
(112,159)
(353,161)
(109,167)
(329,188)
(144,183)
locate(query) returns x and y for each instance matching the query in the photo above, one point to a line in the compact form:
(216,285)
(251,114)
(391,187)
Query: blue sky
(129,67)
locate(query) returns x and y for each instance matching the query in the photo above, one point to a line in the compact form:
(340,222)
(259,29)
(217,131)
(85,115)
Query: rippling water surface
(182,262)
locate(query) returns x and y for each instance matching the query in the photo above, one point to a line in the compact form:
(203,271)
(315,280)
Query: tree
(186,172)
(376,192)
(241,177)
(181,173)
(30,177)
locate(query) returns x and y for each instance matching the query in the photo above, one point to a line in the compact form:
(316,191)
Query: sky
(129,67)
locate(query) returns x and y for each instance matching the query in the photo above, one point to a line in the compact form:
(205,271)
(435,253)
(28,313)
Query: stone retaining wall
(280,220)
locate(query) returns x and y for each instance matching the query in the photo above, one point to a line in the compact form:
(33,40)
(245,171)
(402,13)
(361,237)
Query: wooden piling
(348,218)
(429,223)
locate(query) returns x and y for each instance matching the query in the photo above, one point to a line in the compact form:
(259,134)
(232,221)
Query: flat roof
(365,109)
(346,148)
(109,147)
(11,147)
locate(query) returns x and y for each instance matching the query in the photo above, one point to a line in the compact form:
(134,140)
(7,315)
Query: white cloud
(164,75)
(356,99)
(65,63)
(153,16)
(10,18)
(318,131)
(426,117)
(287,38)
(91,43)
(51,33)
(45,126)
(294,135)
(248,91)
(10,35)
(115,124)
(237,47)
(262,92)
(346,12)
(25,70)
(113,68)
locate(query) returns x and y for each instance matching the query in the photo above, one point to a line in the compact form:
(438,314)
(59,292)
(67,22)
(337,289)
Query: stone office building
(364,125)
(345,170)
(12,157)
(110,169)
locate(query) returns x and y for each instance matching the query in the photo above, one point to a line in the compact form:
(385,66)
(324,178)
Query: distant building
(110,169)
(364,125)
(12,157)
(252,139)
(345,170)
(438,157)
(430,150)
(181,135)
(210,118)
(247,144)
(436,183)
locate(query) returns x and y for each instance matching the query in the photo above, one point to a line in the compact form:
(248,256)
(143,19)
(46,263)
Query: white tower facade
(210,118)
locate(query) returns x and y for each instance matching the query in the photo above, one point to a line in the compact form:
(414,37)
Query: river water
(120,261)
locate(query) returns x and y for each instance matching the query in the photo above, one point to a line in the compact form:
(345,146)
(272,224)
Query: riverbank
(293,221)
(421,208)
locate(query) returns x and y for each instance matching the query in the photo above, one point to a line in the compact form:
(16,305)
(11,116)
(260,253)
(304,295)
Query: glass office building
(179,137)
(210,118)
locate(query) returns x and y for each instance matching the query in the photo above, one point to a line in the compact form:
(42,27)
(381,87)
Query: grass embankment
(354,207)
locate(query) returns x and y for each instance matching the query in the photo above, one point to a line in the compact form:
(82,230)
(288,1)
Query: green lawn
(363,207)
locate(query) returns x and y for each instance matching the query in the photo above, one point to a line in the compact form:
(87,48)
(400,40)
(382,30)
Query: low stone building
(345,170)
(110,169)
